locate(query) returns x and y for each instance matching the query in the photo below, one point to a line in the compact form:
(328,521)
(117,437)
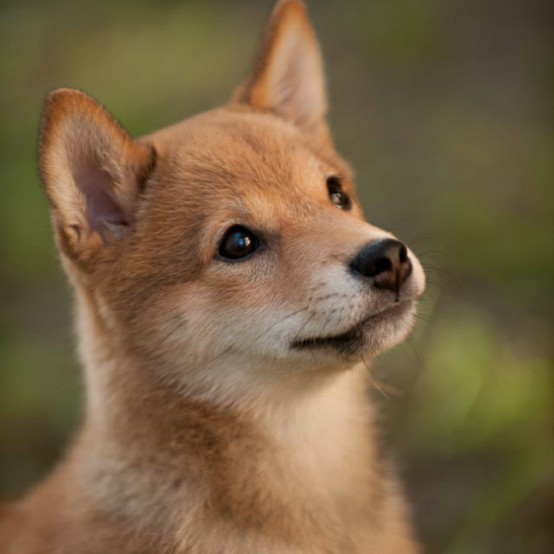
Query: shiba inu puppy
(229,294)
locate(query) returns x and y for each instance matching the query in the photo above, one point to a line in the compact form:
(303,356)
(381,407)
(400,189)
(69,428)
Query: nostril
(403,254)
(380,265)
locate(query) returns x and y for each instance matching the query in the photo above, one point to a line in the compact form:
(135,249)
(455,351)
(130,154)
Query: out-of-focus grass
(444,110)
(489,395)
(473,433)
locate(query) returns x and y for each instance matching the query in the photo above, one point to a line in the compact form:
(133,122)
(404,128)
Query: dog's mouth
(352,339)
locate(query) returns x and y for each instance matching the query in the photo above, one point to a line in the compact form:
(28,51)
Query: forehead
(238,156)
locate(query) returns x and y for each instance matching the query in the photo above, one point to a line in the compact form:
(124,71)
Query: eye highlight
(337,195)
(238,242)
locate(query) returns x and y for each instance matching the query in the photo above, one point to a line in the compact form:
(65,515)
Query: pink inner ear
(102,209)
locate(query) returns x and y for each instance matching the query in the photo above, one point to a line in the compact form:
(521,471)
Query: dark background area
(444,109)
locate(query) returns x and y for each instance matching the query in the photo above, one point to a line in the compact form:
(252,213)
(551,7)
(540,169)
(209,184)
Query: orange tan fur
(216,422)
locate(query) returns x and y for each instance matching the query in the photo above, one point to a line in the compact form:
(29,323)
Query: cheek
(194,323)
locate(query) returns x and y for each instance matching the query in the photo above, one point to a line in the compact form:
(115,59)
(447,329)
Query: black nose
(386,262)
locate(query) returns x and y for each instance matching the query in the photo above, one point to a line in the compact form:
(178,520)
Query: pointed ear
(92,172)
(287,77)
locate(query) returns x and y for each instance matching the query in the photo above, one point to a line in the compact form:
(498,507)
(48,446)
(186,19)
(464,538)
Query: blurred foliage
(443,107)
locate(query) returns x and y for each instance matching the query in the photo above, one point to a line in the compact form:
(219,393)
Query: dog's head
(231,243)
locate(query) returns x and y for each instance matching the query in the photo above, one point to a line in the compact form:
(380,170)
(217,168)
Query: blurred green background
(444,109)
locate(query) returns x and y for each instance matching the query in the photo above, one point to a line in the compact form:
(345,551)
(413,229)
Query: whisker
(275,323)
(413,346)
(374,383)
(263,332)
(180,323)
(326,141)
(298,335)
(226,350)
(426,318)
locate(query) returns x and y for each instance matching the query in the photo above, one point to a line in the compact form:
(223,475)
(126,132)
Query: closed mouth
(356,333)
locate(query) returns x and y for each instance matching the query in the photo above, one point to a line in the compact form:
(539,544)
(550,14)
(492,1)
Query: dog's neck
(148,446)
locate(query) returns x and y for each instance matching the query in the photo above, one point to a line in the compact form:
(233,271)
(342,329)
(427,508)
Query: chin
(369,337)
(389,332)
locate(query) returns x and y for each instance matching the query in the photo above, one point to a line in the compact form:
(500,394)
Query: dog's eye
(339,198)
(238,242)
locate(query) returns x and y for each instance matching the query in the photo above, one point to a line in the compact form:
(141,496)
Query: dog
(229,294)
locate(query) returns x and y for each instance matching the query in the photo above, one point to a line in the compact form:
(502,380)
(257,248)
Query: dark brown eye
(237,243)
(339,198)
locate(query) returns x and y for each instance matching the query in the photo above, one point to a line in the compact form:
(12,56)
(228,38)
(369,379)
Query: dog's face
(233,238)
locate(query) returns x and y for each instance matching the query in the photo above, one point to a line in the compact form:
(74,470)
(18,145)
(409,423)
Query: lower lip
(355,333)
